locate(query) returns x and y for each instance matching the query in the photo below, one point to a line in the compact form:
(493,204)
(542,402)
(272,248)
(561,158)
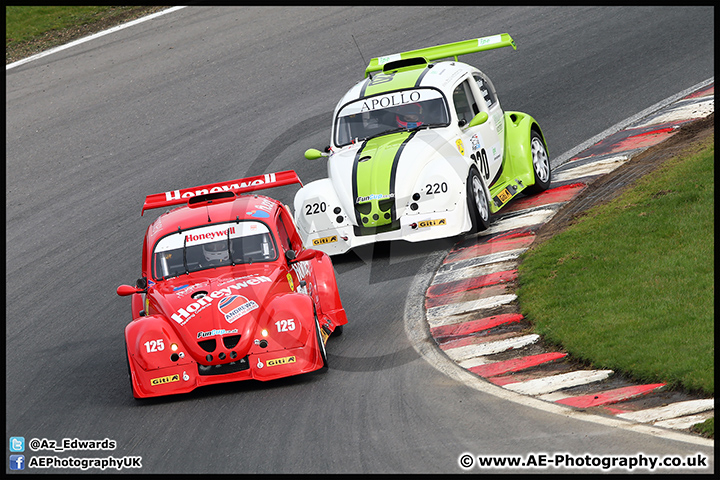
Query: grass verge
(31,30)
(630,286)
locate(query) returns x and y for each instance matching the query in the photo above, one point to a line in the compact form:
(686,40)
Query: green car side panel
(517,167)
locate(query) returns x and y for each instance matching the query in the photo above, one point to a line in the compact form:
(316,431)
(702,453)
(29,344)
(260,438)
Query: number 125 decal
(285,325)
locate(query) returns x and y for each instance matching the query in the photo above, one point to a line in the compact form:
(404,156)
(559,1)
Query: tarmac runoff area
(474,333)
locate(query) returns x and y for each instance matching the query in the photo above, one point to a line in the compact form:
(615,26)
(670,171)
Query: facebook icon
(17,462)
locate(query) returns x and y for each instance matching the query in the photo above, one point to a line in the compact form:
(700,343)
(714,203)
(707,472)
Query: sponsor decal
(258,214)
(212,235)
(235,307)
(504,196)
(476,142)
(156,226)
(460,146)
(290,282)
(388,58)
(385,101)
(376,196)
(489,40)
(281,361)
(183,315)
(323,240)
(213,333)
(432,223)
(175,194)
(162,380)
(302,270)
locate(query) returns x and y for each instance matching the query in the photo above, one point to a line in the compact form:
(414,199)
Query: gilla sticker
(162,380)
(324,240)
(432,223)
(281,361)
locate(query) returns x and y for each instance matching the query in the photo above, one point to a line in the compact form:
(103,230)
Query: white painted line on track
(691,108)
(601,167)
(460,354)
(443,311)
(474,271)
(481,261)
(540,386)
(628,122)
(673,410)
(533,218)
(91,37)
(685,422)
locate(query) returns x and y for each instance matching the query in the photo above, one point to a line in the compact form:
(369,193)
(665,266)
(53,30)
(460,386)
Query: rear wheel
(541,164)
(477,202)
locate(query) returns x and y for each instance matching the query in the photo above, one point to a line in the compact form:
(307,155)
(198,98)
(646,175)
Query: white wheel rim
(540,160)
(479,195)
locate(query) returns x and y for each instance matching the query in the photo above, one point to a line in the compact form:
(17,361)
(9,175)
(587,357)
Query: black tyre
(541,164)
(477,202)
(127,362)
(321,346)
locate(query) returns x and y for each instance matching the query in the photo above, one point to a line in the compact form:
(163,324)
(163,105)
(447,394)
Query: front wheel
(477,202)
(541,164)
(321,345)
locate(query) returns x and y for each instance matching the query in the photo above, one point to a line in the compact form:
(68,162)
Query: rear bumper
(413,228)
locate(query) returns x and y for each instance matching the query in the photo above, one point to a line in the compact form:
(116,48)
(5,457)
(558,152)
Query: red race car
(227,292)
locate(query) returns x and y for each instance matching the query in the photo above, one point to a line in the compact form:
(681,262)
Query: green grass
(630,286)
(30,30)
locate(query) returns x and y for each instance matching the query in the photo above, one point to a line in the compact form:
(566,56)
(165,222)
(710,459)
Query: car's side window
(287,239)
(283,236)
(487,90)
(464,101)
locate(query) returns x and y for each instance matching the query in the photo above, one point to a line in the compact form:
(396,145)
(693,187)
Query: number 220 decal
(433,188)
(481,159)
(313,208)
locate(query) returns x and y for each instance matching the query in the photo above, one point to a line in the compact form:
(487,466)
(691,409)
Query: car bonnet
(376,178)
(201,308)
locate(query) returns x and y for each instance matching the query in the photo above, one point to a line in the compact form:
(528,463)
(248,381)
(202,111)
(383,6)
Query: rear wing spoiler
(444,51)
(241,185)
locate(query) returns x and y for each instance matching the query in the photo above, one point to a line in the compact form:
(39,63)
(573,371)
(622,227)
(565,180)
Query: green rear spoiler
(444,51)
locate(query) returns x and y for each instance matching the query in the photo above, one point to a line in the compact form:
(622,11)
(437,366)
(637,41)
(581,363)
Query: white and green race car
(420,149)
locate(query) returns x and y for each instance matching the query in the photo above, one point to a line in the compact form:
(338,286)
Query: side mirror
(314,154)
(303,256)
(127,290)
(478,119)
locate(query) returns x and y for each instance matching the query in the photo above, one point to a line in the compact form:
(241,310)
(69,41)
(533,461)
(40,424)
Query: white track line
(90,37)
(540,386)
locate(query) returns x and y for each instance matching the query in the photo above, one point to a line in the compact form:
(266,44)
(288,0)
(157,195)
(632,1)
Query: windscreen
(213,246)
(399,110)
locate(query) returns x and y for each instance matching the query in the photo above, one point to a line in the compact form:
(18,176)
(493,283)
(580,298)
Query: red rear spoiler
(241,185)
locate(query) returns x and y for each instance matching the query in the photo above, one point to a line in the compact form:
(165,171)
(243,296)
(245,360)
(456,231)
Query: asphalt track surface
(208,94)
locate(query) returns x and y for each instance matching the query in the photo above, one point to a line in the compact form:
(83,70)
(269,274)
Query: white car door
(482,144)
